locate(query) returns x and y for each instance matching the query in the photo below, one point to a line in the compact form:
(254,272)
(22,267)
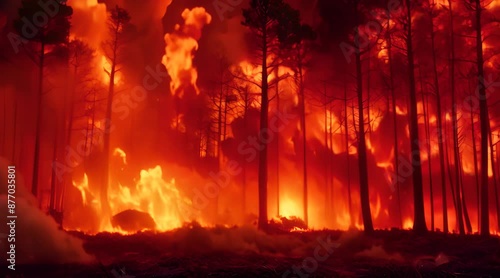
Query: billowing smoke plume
(37,236)
(89,21)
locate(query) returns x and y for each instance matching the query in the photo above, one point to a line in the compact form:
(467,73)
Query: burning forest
(253,138)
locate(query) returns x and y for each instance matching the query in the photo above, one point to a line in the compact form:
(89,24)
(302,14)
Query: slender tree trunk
(425,106)
(497,181)
(362,157)
(263,222)
(425,109)
(476,170)
(450,176)
(277,147)
(87,133)
(419,224)
(304,138)
(4,134)
(440,131)
(69,131)
(244,175)
(220,135)
(226,104)
(330,156)
(106,209)
(329,190)
(483,119)
(454,122)
(53,177)
(468,224)
(495,184)
(92,122)
(14,130)
(36,160)
(346,126)
(53,183)
(219,121)
(395,124)
(368,95)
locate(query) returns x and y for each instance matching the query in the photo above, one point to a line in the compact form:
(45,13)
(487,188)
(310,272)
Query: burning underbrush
(163,198)
(291,224)
(192,239)
(131,221)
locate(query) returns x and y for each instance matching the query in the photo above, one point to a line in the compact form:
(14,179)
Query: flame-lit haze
(183,150)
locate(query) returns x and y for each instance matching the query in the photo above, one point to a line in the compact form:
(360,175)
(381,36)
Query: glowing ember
(408,223)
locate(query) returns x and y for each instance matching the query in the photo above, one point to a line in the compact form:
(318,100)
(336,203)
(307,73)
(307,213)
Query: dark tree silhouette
(394,117)
(80,58)
(362,153)
(118,20)
(419,224)
(301,38)
(53,29)
(439,121)
(268,21)
(456,150)
(483,119)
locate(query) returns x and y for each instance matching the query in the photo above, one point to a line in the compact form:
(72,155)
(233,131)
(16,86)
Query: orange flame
(180,48)
(151,194)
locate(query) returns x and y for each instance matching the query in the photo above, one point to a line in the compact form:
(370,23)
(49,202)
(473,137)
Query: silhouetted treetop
(46,24)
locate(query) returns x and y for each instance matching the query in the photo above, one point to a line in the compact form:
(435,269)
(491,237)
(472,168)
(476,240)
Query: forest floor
(245,252)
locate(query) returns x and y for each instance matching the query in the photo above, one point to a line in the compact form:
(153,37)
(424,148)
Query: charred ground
(195,252)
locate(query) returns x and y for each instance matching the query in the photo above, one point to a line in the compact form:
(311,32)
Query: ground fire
(259,138)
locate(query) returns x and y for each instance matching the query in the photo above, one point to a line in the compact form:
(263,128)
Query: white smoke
(37,236)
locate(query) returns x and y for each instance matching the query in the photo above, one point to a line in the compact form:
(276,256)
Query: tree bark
(53,183)
(346,126)
(14,131)
(106,209)
(483,119)
(476,170)
(304,142)
(425,106)
(440,131)
(328,189)
(468,224)
(362,156)
(495,184)
(450,177)
(277,148)
(263,222)
(36,160)
(419,224)
(395,124)
(454,122)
